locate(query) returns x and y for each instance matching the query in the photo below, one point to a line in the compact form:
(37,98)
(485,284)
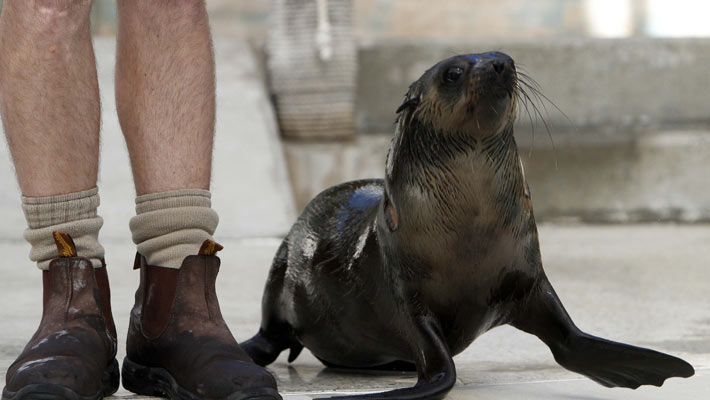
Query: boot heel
(111,378)
(145,380)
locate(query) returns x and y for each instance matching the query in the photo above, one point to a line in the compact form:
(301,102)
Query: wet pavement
(646,285)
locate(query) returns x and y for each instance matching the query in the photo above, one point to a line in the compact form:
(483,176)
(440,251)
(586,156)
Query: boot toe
(232,379)
(67,372)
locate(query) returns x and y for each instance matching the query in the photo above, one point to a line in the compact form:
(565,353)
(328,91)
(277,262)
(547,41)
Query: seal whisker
(524,101)
(527,103)
(535,87)
(538,95)
(521,71)
(536,110)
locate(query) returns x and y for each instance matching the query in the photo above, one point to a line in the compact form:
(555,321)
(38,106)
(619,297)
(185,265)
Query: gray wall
(601,85)
(635,148)
(103,16)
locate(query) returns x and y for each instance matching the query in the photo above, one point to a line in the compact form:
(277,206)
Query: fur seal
(407,271)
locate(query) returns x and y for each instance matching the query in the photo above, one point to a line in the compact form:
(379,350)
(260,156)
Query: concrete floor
(646,285)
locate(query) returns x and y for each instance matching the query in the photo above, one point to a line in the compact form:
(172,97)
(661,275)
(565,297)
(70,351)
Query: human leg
(49,102)
(165,98)
(165,93)
(50,112)
(49,95)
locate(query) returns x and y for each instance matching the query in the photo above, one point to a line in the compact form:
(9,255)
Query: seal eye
(453,74)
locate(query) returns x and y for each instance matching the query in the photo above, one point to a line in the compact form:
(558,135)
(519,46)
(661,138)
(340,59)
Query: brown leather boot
(178,343)
(73,353)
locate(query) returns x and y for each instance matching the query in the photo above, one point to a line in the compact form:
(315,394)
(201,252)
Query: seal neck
(444,177)
(418,150)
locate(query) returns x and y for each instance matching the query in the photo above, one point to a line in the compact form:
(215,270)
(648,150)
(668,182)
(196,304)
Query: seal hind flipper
(608,363)
(263,350)
(435,367)
(613,364)
(275,335)
(296,349)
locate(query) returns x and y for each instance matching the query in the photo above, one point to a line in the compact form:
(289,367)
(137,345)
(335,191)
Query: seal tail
(608,363)
(264,350)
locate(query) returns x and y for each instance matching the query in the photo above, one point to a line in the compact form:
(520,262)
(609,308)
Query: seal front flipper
(437,374)
(608,363)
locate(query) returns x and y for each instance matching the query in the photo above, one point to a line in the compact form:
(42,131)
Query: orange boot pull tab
(65,244)
(209,248)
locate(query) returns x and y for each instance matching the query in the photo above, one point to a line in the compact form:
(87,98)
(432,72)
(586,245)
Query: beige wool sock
(172,225)
(73,213)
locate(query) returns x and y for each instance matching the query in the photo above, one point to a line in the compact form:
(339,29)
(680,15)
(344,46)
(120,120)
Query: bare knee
(173,11)
(48,20)
(59,8)
(60,15)
(184,8)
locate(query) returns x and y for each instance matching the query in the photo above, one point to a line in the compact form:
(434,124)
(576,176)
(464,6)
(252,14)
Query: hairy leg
(49,95)
(49,102)
(165,92)
(165,95)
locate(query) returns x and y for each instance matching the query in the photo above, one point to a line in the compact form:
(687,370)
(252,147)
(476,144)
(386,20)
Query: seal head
(468,93)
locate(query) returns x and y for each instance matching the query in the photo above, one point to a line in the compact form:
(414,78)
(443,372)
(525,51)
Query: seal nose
(497,70)
(500,67)
(498,63)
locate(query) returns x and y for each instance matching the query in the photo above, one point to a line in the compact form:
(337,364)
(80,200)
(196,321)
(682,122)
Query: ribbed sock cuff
(172,225)
(73,213)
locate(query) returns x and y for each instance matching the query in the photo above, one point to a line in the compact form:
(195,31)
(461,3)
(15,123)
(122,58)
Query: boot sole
(153,381)
(48,391)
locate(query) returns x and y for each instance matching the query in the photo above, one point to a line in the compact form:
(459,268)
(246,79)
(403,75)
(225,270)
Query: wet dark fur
(409,270)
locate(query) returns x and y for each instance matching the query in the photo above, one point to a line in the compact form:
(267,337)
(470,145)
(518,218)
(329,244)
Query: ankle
(172,225)
(73,213)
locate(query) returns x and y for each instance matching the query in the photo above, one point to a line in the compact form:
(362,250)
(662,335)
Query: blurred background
(623,136)
(628,132)
(306,97)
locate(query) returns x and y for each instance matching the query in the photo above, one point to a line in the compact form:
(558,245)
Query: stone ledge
(636,83)
(658,176)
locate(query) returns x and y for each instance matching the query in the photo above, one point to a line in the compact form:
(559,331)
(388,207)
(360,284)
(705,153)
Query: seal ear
(408,102)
